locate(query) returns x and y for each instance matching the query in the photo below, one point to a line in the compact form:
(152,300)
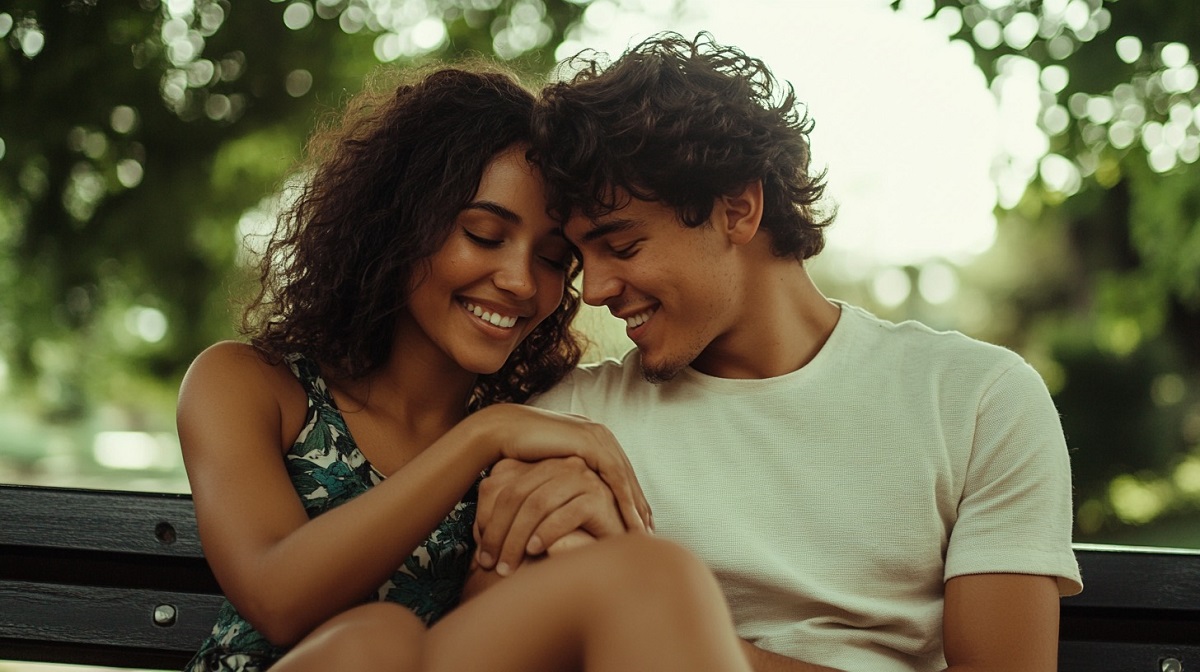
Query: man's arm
(1001,622)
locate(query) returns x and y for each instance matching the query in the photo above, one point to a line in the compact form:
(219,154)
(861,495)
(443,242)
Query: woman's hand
(527,509)
(531,434)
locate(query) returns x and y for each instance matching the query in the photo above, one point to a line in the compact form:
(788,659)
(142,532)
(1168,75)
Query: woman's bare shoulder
(229,370)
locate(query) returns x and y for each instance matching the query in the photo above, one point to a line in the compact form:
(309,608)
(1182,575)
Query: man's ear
(740,213)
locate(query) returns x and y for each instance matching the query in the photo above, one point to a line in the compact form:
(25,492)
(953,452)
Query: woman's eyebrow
(495,209)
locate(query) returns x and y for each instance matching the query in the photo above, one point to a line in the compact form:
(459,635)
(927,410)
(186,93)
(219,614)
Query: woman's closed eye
(483,241)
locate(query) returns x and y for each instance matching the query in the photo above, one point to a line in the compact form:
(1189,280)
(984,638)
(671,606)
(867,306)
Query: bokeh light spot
(429,34)
(1055,119)
(1121,134)
(1060,47)
(937,283)
(298,83)
(123,119)
(1174,55)
(987,34)
(1077,15)
(32,42)
(298,15)
(1060,174)
(1181,79)
(94,145)
(352,20)
(180,8)
(1120,336)
(949,20)
(600,14)
(1187,476)
(1100,109)
(173,29)
(1129,49)
(1190,151)
(129,173)
(891,286)
(1134,501)
(217,107)
(148,324)
(1162,158)
(1168,389)
(1020,30)
(200,73)
(1054,78)
(387,47)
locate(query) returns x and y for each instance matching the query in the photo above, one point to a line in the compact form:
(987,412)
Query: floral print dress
(327,470)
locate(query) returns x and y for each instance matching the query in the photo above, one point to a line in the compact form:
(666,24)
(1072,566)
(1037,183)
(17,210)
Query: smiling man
(872,496)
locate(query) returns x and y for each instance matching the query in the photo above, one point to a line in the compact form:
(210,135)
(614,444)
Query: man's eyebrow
(496,209)
(613,226)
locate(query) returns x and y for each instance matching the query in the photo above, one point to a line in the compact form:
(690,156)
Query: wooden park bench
(118,579)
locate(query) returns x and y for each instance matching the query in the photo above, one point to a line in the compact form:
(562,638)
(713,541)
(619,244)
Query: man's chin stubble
(661,373)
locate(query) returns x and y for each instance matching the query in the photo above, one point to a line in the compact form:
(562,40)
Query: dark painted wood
(1125,657)
(99,520)
(1140,607)
(113,616)
(82,572)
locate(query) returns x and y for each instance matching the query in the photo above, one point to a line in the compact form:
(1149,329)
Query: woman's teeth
(496,319)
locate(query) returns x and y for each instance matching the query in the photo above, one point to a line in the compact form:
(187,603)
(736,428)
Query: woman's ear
(739,214)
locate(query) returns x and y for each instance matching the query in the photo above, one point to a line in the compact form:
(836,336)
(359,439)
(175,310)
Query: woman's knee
(648,568)
(375,636)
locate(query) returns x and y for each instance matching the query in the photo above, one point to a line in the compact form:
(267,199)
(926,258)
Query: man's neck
(785,322)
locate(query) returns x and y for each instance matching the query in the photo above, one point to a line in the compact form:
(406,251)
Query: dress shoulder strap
(309,375)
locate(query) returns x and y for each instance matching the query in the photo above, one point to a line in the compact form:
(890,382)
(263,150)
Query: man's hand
(526,508)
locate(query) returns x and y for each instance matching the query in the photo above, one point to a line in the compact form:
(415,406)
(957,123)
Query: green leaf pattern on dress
(327,470)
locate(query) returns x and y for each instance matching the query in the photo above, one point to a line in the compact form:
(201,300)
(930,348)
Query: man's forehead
(582,229)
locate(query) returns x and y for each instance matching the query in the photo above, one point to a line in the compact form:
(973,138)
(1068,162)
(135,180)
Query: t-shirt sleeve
(1015,515)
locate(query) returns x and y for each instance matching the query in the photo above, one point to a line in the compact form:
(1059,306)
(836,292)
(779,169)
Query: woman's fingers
(545,434)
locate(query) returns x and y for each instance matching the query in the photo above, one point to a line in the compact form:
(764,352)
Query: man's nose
(599,285)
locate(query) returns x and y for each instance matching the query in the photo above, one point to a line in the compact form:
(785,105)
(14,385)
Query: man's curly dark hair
(680,122)
(383,183)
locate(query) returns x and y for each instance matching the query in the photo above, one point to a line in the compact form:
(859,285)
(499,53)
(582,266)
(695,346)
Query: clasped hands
(531,509)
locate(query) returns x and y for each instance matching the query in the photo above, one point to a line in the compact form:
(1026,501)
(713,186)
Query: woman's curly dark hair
(681,122)
(383,183)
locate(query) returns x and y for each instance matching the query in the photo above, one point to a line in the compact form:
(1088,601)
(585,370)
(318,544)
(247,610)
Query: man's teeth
(639,319)
(493,318)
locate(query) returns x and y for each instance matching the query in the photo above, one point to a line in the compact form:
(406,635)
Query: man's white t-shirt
(834,502)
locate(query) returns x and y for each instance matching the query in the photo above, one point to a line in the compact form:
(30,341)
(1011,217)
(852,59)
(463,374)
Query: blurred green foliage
(1111,312)
(135,137)
(139,141)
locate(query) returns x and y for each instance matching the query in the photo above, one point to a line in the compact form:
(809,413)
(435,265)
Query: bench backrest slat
(99,520)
